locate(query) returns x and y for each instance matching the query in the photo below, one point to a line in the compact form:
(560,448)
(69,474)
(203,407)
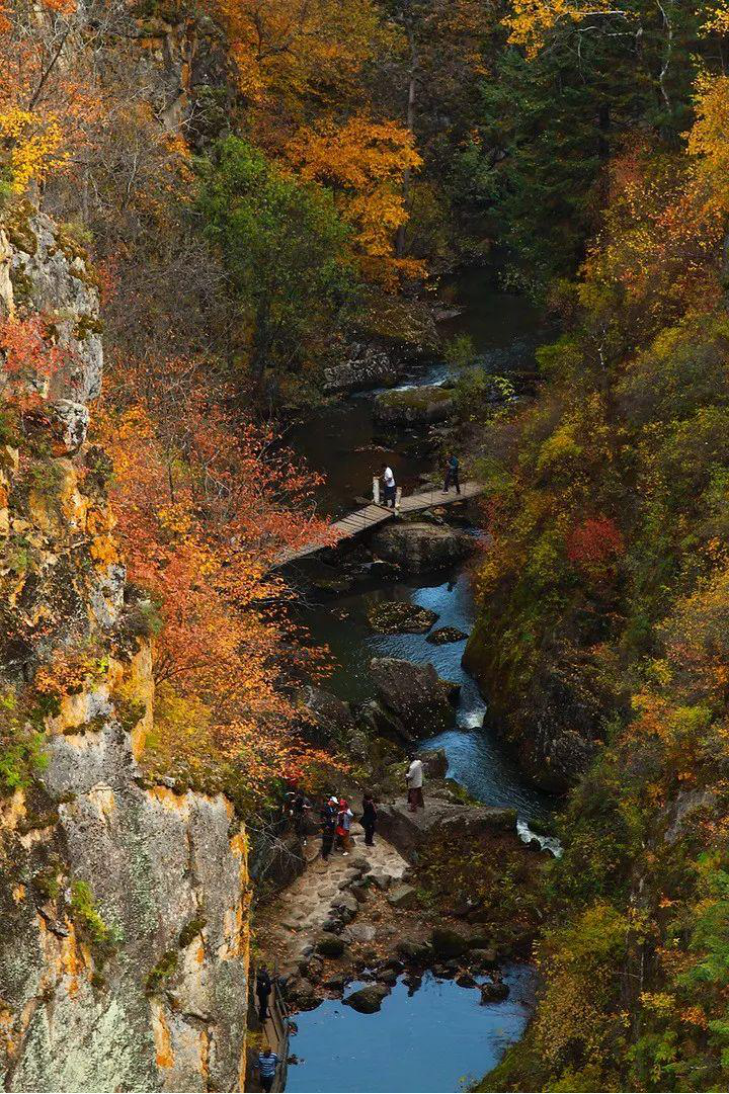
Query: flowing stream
(440,1038)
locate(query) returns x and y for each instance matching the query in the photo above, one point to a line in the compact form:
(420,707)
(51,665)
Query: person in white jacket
(414,780)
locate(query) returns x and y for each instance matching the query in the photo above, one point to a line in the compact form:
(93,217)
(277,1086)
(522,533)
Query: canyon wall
(124,903)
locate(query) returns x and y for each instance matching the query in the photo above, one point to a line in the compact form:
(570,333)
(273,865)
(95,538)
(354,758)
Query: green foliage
(286,253)
(22,754)
(161,973)
(89,921)
(459,350)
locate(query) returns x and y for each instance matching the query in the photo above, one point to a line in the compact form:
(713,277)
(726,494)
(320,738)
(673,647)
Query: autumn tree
(204,502)
(365,164)
(290,51)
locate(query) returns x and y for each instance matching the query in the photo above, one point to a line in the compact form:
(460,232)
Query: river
(434,1039)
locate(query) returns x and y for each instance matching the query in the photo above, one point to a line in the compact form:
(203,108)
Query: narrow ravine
(440,1035)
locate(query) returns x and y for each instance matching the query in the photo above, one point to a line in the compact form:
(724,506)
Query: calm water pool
(438,1039)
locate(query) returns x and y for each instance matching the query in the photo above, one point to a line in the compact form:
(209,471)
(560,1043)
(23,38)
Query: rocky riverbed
(398,909)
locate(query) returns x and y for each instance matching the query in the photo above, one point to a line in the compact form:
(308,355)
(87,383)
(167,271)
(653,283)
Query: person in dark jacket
(451,476)
(328,815)
(369,818)
(299,808)
(263,991)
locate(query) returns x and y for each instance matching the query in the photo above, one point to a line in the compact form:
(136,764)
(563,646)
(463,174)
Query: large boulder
(414,694)
(419,545)
(448,943)
(414,406)
(368,366)
(367,1000)
(328,722)
(409,832)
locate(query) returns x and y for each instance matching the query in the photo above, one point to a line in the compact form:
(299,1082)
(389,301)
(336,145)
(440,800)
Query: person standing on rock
(388,480)
(369,818)
(414,782)
(263,991)
(328,814)
(344,823)
(451,475)
(267,1064)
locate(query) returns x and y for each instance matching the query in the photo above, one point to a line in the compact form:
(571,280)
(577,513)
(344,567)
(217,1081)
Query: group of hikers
(336,819)
(452,472)
(336,816)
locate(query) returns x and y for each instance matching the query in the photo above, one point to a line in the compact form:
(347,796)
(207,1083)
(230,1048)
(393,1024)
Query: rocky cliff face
(123,951)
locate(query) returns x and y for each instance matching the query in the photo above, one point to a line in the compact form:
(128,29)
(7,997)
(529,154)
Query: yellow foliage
(708,145)
(365,163)
(531,21)
(29,147)
(718,21)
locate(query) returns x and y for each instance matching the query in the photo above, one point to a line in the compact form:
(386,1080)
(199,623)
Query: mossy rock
(16,222)
(447,943)
(414,406)
(400,617)
(444,635)
(330,947)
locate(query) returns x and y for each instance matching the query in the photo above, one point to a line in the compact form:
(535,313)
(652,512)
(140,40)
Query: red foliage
(595,544)
(29,359)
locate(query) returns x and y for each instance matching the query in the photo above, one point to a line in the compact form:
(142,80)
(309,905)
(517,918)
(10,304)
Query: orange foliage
(29,359)
(296,48)
(532,21)
(202,510)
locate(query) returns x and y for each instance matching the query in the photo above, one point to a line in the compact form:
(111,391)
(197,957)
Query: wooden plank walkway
(361,520)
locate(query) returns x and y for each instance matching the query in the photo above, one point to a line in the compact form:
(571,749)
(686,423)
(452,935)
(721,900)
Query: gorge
(252,252)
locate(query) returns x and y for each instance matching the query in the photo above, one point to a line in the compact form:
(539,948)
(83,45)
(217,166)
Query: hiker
(369,818)
(328,814)
(451,475)
(299,808)
(263,990)
(267,1064)
(414,781)
(388,480)
(344,823)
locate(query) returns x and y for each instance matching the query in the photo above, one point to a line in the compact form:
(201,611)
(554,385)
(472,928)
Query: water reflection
(440,1039)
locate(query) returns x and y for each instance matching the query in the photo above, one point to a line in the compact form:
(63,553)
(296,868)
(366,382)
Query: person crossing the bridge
(388,480)
(451,475)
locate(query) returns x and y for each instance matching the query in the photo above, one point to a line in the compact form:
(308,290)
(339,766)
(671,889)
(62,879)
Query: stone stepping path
(296,917)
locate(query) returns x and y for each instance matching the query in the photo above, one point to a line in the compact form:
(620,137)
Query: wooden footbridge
(362,520)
